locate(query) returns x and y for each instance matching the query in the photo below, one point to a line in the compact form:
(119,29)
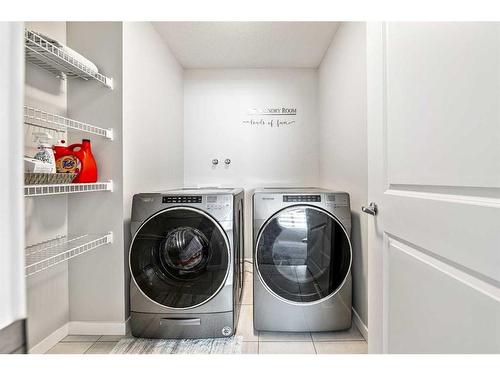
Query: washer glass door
(179,257)
(303,254)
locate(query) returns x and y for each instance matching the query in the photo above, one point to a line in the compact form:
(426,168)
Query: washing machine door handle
(180,322)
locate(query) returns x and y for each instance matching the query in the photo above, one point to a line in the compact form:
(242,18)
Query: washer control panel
(219,206)
(182,199)
(218,202)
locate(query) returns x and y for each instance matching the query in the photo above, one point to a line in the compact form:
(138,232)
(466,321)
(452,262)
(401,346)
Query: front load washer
(186,263)
(302,260)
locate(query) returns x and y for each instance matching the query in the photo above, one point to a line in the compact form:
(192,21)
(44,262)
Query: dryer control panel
(302,198)
(337,200)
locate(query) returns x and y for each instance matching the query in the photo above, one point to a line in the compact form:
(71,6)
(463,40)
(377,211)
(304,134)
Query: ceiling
(248,44)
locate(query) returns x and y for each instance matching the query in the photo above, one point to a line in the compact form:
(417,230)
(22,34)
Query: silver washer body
(214,317)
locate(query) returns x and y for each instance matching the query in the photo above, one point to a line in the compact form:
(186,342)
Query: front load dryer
(302,260)
(186,263)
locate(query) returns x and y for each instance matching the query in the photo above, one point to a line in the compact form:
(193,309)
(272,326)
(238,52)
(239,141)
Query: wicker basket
(48,178)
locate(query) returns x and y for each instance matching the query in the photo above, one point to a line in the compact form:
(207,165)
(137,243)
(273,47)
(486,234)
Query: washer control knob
(227,161)
(226,331)
(215,161)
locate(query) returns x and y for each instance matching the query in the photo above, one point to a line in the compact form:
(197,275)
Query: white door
(434,172)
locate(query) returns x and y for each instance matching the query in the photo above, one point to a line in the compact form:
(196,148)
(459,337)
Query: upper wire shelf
(47,254)
(37,117)
(48,56)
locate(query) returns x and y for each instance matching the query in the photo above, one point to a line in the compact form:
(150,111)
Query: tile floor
(345,342)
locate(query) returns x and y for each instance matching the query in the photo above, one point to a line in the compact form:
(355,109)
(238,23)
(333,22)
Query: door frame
(376,130)
(12,273)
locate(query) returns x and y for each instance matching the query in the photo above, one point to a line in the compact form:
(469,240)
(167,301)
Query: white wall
(343,142)
(96,279)
(152,117)
(46,217)
(145,112)
(152,114)
(216,102)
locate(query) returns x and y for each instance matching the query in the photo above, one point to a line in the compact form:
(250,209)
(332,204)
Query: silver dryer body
(166,300)
(302,260)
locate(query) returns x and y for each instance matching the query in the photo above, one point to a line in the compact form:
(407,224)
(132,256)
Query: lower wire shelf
(47,254)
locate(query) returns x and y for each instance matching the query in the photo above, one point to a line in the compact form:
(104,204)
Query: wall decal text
(257,119)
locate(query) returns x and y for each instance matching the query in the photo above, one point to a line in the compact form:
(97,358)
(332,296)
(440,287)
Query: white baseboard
(359,323)
(98,328)
(52,339)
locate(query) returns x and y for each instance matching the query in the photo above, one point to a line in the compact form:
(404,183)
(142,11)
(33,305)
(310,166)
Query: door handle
(180,322)
(372,209)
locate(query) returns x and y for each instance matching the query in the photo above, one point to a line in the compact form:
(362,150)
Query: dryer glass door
(303,254)
(179,258)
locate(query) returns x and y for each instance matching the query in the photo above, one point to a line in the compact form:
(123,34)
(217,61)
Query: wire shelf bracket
(55,189)
(39,51)
(39,118)
(44,255)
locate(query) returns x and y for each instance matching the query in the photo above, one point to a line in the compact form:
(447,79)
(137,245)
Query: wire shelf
(38,190)
(39,118)
(48,56)
(47,254)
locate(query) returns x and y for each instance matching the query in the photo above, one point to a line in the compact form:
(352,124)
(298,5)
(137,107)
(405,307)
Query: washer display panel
(303,254)
(179,258)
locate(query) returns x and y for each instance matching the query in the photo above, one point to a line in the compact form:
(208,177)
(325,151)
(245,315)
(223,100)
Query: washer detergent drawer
(173,326)
(172,322)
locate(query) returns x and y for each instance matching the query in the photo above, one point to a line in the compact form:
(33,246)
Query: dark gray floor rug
(132,345)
